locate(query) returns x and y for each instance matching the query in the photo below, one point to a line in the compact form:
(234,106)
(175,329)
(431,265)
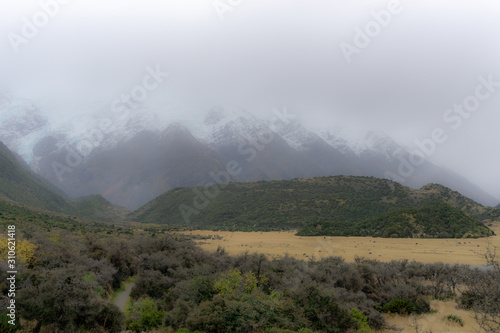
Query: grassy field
(276,244)
(448,251)
(434,322)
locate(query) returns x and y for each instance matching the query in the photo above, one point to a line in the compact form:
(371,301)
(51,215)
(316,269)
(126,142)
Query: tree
(483,294)
(143,315)
(64,299)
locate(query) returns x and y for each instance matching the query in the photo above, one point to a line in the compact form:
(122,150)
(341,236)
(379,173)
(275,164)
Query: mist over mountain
(133,157)
(249,166)
(21,186)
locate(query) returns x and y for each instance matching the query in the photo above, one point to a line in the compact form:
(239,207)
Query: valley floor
(448,251)
(277,244)
(434,322)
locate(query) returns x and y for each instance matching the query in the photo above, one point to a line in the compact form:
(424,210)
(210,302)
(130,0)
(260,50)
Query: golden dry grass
(276,244)
(434,322)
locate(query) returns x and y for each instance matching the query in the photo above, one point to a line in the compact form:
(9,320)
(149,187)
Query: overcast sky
(424,58)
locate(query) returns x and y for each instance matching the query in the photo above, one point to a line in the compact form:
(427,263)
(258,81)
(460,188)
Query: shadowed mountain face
(20,185)
(138,158)
(139,169)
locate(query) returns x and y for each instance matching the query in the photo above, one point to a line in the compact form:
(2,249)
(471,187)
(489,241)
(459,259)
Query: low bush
(5,327)
(469,300)
(402,306)
(360,321)
(143,315)
(454,319)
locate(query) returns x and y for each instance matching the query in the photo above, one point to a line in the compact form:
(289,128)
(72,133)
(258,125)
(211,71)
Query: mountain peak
(214,116)
(223,133)
(175,130)
(297,135)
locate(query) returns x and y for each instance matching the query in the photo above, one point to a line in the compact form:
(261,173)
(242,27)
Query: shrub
(253,312)
(6,327)
(176,317)
(279,330)
(90,278)
(323,310)
(143,315)
(151,283)
(228,283)
(109,317)
(454,319)
(360,320)
(468,300)
(402,306)
(73,302)
(423,306)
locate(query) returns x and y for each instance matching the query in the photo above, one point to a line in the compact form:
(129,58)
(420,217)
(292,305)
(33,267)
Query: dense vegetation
(67,278)
(435,220)
(32,219)
(70,268)
(321,206)
(62,280)
(94,207)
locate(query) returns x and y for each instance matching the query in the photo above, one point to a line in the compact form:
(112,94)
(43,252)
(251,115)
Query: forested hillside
(324,205)
(435,220)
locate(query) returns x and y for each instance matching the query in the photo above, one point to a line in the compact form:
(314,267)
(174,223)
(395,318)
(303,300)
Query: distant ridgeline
(337,206)
(31,220)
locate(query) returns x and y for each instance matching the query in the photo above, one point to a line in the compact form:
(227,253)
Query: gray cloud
(278,53)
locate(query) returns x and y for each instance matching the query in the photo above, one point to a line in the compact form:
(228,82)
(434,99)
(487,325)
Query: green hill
(437,220)
(30,220)
(93,207)
(19,184)
(317,206)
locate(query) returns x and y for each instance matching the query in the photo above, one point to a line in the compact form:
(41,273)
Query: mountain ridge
(266,150)
(294,204)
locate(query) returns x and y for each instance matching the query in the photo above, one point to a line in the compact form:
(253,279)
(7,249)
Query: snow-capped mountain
(21,125)
(297,136)
(25,129)
(132,156)
(225,126)
(359,142)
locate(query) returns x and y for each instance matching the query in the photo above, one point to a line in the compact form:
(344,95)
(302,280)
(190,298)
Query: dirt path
(122,297)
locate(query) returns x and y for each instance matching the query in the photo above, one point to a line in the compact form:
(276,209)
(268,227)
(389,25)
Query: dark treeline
(65,285)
